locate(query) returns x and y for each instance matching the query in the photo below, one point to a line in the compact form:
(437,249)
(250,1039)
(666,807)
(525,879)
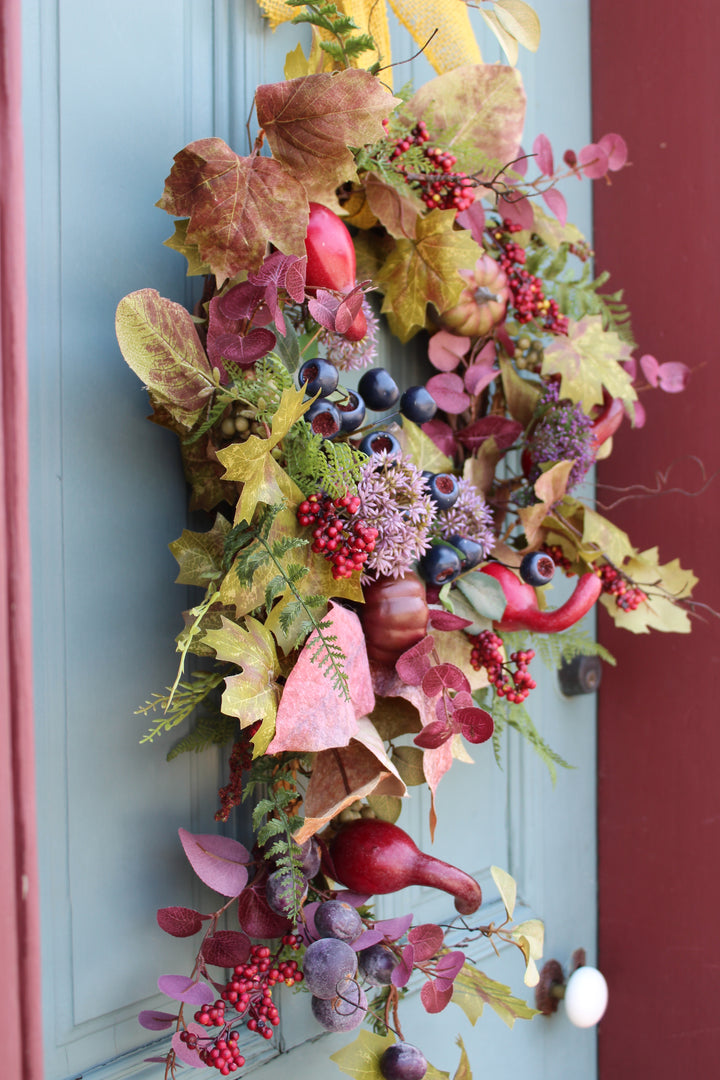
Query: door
(111,93)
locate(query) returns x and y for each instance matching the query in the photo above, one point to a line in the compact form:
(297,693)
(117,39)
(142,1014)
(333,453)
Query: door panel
(112,93)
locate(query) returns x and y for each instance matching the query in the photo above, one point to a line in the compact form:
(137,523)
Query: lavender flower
(394,500)
(352,355)
(469,516)
(563,434)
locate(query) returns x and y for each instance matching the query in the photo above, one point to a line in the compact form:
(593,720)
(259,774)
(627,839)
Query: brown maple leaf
(311,121)
(235,206)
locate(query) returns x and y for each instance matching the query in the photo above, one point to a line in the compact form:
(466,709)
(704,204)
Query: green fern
(210,730)
(247,549)
(327,17)
(318,464)
(179,701)
(517,717)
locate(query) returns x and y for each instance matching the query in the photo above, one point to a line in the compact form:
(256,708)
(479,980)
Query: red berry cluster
(528,298)
(222,1054)
(486,653)
(345,542)
(628,596)
(441,189)
(559,557)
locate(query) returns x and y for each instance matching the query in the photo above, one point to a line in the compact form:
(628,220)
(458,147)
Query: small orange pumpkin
(394,616)
(482,305)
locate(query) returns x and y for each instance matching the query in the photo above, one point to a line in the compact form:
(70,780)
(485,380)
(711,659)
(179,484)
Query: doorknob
(585,991)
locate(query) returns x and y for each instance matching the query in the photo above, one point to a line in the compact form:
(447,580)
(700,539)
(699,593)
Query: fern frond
(517,717)
(179,701)
(214,730)
(318,464)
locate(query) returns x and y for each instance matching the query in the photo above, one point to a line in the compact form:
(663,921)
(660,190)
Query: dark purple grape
(324,418)
(444,490)
(345,1011)
(285,892)
(338,919)
(377,441)
(440,565)
(327,962)
(537,568)
(472,552)
(310,857)
(378,389)
(375,965)
(418,405)
(401,1061)
(318,374)
(352,410)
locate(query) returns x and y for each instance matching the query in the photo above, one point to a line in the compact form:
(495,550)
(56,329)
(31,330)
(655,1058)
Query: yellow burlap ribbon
(454,43)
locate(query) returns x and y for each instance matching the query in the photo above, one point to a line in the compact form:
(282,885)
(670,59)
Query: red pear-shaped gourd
(331,260)
(375,857)
(521,606)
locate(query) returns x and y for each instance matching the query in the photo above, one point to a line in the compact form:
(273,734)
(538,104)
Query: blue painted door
(112,91)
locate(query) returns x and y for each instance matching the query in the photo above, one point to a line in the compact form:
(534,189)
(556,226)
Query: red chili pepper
(522,611)
(331,260)
(607,421)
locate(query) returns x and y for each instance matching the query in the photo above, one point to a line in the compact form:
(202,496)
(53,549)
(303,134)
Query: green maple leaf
(159,341)
(478,106)
(310,122)
(199,555)
(588,360)
(423,451)
(178,242)
(425,270)
(612,542)
(473,990)
(235,206)
(361,1058)
(463,1071)
(252,695)
(253,465)
(665,584)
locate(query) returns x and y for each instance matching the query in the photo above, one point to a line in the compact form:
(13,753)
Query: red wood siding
(19,920)
(656,80)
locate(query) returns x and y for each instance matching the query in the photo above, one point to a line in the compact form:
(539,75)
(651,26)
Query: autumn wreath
(373,571)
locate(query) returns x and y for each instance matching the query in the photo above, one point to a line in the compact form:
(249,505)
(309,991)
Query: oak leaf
(235,206)
(310,122)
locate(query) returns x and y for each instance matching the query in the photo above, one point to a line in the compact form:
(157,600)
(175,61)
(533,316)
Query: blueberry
(444,490)
(324,418)
(378,389)
(377,441)
(440,565)
(472,552)
(352,410)
(318,374)
(537,568)
(418,405)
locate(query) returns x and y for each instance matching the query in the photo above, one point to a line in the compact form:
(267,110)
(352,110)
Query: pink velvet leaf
(435,998)
(476,724)
(226,948)
(180,921)
(593,161)
(504,431)
(444,677)
(446,620)
(479,375)
(183,1051)
(183,988)
(393,929)
(433,735)
(448,391)
(544,155)
(473,219)
(649,367)
(519,211)
(401,972)
(154,1020)
(414,663)
(442,435)
(256,917)
(557,204)
(426,939)
(445,350)
(449,965)
(616,149)
(673,376)
(217,860)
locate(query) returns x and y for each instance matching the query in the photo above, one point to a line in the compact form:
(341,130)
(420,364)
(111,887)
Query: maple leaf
(252,695)
(550,488)
(588,360)
(361,1058)
(235,206)
(395,210)
(475,105)
(344,774)
(178,242)
(314,714)
(254,466)
(199,554)
(158,340)
(425,270)
(665,584)
(310,122)
(473,990)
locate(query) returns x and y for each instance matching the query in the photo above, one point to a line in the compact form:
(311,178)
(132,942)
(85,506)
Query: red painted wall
(656,80)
